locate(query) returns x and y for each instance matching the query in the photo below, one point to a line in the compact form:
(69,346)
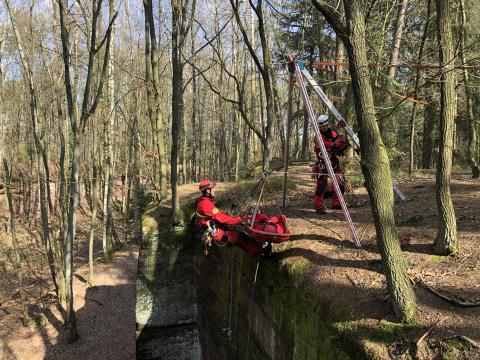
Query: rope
(257,205)
(278,207)
(250,307)
(231,268)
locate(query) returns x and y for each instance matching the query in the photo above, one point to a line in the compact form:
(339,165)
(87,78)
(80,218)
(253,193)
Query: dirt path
(105,318)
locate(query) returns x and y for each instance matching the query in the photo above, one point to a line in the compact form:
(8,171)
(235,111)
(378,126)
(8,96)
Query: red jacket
(206,210)
(328,141)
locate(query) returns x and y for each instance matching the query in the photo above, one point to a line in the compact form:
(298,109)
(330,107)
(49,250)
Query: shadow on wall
(166,312)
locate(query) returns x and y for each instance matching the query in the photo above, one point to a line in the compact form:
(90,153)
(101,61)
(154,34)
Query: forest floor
(105,313)
(321,248)
(353,278)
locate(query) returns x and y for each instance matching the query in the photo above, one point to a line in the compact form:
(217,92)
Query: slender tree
(152,72)
(42,163)
(264,65)
(183,12)
(18,265)
(446,239)
(416,90)
(467,85)
(77,124)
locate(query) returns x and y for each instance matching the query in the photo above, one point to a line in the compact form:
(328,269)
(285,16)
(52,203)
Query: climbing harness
(209,233)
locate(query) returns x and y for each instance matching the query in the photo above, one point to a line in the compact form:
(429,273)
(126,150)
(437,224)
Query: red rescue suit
(206,210)
(335,145)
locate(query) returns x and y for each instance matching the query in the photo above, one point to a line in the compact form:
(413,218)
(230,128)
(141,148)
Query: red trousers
(323,187)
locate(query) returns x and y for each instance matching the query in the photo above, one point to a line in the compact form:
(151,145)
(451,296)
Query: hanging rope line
(322,64)
(231,272)
(250,308)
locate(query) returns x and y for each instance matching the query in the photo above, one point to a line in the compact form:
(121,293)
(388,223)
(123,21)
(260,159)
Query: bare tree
(183,12)
(152,72)
(42,163)
(472,139)
(265,68)
(446,239)
(77,127)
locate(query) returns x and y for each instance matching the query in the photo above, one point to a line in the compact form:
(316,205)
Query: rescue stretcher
(268,229)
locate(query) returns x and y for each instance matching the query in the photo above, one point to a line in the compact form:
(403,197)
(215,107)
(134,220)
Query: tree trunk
(23,295)
(446,239)
(375,163)
(397,38)
(69,328)
(155,110)
(91,281)
(429,123)
(177,103)
(472,138)
(415,94)
(108,156)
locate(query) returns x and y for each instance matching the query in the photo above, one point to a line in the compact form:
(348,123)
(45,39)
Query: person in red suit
(335,145)
(221,226)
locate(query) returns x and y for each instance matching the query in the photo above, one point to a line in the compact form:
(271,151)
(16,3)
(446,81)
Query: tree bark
(429,125)
(108,154)
(155,111)
(446,239)
(91,281)
(397,38)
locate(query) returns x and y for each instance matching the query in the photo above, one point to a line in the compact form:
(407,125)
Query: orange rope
(322,64)
(410,99)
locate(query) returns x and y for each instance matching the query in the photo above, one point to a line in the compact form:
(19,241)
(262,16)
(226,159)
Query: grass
(436,259)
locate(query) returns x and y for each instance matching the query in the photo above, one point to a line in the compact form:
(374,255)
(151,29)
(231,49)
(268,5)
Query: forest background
(108,104)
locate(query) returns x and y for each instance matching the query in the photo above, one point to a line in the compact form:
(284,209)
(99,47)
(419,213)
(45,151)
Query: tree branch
(333,19)
(245,37)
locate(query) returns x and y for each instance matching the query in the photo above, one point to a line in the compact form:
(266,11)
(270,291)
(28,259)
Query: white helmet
(322,120)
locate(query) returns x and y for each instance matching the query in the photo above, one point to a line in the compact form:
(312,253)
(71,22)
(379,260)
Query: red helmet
(206,184)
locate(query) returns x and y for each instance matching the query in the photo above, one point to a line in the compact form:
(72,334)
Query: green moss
(296,269)
(452,348)
(303,317)
(385,331)
(438,259)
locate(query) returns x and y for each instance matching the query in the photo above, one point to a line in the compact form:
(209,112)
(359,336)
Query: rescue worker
(221,226)
(335,145)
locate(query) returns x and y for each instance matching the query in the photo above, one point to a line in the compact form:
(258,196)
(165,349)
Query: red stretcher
(268,229)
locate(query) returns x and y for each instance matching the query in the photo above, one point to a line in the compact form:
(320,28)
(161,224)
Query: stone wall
(166,311)
(281,321)
(191,306)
